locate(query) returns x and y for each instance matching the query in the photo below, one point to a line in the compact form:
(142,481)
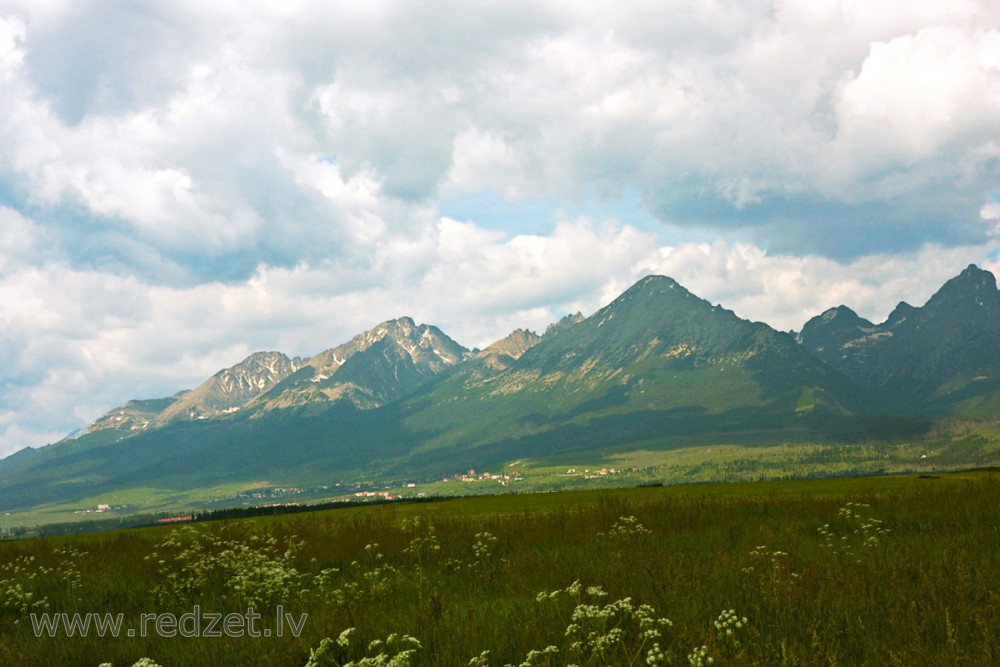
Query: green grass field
(854,571)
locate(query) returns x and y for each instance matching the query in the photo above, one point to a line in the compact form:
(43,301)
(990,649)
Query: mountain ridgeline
(940,359)
(657,363)
(656,368)
(368,371)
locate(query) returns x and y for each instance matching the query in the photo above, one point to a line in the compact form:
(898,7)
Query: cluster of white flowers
(616,631)
(141,662)
(481,660)
(68,570)
(424,543)
(628,528)
(655,655)
(485,561)
(573,590)
(536,657)
(771,567)
(255,570)
(484,546)
(852,528)
(396,650)
(728,623)
(423,549)
(323,580)
(24,582)
(377,575)
(257,576)
(699,657)
(16,594)
(366,579)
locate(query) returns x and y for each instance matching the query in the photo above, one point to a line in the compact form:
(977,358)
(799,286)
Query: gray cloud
(827,119)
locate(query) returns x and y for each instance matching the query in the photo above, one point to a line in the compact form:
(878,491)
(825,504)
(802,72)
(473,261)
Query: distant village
(100,509)
(471,476)
(348,492)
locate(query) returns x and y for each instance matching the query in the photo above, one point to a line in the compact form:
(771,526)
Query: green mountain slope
(656,363)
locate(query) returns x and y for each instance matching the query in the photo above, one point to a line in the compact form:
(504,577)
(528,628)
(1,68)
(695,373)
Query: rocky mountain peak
(379,365)
(402,331)
(265,364)
(652,285)
(842,317)
(232,388)
(899,314)
(974,274)
(832,328)
(565,322)
(225,392)
(659,293)
(971,286)
(513,345)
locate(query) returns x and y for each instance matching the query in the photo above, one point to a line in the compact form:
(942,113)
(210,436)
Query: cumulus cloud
(919,95)
(831,118)
(482,160)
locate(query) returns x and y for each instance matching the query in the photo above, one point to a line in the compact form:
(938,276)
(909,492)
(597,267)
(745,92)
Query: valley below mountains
(658,370)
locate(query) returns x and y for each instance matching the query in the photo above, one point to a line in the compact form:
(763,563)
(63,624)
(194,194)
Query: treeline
(146,520)
(275,510)
(77,527)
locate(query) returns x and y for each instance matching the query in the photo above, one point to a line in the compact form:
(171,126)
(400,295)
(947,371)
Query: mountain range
(941,359)
(658,367)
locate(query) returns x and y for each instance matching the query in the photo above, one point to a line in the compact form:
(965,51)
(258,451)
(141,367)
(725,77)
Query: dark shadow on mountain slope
(975,389)
(866,428)
(616,396)
(670,428)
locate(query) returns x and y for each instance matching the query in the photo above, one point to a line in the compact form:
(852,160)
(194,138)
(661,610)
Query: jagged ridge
(941,357)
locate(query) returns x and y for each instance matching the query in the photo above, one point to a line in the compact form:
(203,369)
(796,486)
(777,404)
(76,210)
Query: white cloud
(476,271)
(347,107)
(991,214)
(355,199)
(12,32)
(712,110)
(918,94)
(482,160)
(170,175)
(20,240)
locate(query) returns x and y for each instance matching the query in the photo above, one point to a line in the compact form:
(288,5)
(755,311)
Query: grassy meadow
(852,571)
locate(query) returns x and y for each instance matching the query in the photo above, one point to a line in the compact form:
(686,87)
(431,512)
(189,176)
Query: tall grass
(837,572)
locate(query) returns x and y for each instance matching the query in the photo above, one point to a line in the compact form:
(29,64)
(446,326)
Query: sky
(184,183)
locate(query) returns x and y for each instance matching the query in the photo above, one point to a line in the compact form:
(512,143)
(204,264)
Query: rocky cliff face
(373,368)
